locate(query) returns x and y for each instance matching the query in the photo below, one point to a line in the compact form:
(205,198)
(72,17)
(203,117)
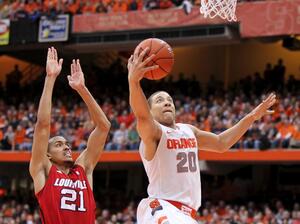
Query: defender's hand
(76,79)
(262,109)
(53,66)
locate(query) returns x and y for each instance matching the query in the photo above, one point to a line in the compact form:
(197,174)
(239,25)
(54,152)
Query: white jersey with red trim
(174,173)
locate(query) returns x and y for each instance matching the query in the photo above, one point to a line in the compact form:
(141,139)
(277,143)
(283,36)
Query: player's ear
(49,156)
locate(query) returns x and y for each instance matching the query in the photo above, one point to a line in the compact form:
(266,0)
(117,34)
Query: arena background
(221,71)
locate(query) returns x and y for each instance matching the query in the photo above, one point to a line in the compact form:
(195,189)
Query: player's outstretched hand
(137,65)
(76,79)
(53,66)
(263,108)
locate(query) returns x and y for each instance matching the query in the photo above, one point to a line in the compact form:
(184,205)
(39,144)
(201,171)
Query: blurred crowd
(33,9)
(13,212)
(272,212)
(208,107)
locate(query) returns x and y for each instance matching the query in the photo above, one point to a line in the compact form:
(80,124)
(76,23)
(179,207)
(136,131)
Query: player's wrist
(251,117)
(82,89)
(50,79)
(133,80)
(51,75)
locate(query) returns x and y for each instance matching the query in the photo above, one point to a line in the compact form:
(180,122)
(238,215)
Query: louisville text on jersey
(61,182)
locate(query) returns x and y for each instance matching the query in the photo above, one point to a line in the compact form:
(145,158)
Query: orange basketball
(164,57)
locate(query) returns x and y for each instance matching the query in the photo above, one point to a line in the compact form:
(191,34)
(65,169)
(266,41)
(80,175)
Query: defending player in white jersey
(170,150)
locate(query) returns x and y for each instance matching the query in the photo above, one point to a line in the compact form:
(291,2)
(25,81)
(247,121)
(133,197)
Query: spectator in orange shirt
(206,217)
(88,8)
(119,6)
(1,138)
(3,121)
(72,7)
(19,137)
(79,141)
(207,123)
(285,131)
(295,140)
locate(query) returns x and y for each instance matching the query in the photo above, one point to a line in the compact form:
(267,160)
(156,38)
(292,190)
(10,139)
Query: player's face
(163,109)
(59,150)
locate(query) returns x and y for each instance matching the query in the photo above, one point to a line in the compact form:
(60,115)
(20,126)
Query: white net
(223,8)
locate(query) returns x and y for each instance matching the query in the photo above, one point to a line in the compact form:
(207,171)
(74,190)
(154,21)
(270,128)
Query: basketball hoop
(223,8)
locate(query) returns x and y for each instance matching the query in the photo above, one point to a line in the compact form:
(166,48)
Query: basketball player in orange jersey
(169,150)
(62,186)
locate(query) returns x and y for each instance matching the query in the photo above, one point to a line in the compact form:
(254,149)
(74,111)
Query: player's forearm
(94,109)
(138,101)
(44,110)
(229,137)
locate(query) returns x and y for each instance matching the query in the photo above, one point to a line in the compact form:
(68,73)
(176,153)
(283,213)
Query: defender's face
(59,150)
(163,109)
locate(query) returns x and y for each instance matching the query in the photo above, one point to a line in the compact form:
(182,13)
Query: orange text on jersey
(182,143)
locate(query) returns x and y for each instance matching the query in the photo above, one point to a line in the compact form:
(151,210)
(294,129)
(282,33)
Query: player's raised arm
(224,141)
(147,127)
(39,163)
(90,156)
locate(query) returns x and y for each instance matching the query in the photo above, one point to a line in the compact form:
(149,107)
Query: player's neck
(65,168)
(173,125)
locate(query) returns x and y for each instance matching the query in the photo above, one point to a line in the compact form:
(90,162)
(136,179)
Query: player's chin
(168,119)
(68,159)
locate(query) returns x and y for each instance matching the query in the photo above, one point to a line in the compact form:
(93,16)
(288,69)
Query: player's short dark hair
(151,97)
(51,141)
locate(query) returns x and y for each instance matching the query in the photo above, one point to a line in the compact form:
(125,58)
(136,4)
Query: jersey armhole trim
(50,172)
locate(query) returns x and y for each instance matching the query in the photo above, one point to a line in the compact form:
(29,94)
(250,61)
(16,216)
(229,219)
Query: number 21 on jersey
(69,198)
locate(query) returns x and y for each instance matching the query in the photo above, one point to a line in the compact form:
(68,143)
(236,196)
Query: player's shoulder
(185,125)
(52,169)
(188,127)
(78,168)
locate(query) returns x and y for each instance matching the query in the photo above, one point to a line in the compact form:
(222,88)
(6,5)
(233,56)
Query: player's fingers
(130,59)
(60,62)
(54,54)
(48,53)
(143,53)
(74,65)
(136,54)
(267,98)
(270,111)
(78,65)
(51,54)
(72,69)
(151,68)
(272,102)
(271,96)
(129,62)
(148,59)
